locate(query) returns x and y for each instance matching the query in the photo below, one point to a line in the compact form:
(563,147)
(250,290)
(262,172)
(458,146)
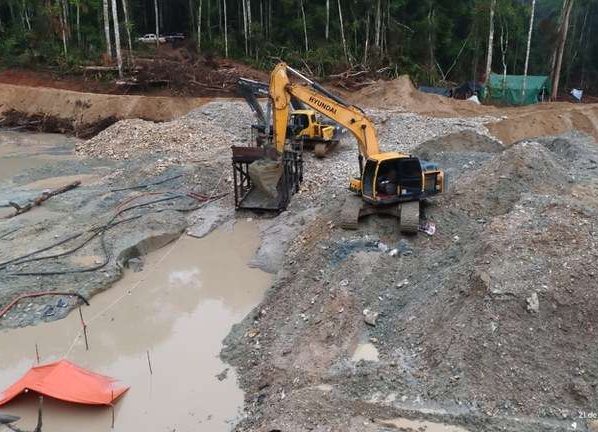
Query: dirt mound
(545,119)
(459,152)
(502,328)
(492,190)
(490,318)
(401,94)
(80,110)
(185,77)
(464,141)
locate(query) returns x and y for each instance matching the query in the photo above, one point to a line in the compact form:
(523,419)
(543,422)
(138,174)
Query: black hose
(144,185)
(102,231)
(74,236)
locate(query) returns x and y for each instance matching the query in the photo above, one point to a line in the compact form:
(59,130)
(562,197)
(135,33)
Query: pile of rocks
(199,135)
(396,132)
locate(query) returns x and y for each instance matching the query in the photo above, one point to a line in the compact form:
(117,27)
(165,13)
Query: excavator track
(409,222)
(349,217)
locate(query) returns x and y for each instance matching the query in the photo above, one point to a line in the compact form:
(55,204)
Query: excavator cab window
(402,177)
(300,121)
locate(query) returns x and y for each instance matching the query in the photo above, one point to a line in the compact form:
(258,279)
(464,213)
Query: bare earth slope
(82,109)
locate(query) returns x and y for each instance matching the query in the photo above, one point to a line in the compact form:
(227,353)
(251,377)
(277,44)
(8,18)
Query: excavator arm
(322,101)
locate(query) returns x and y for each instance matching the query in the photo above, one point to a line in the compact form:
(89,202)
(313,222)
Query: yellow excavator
(303,123)
(392,183)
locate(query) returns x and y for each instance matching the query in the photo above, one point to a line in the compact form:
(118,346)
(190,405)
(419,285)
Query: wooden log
(43,197)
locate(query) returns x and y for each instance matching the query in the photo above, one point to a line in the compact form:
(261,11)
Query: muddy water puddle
(178,309)
(21,151)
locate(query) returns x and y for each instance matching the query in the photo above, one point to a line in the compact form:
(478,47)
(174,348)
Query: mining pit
(486,325)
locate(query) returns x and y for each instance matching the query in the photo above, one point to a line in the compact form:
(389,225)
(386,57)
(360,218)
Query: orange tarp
(68,382)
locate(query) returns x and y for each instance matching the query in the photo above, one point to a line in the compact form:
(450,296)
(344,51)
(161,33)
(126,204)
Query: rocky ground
(487,324)
(81,240)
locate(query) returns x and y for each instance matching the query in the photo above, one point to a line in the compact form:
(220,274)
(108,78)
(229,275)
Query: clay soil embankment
(84,114)
(510,124)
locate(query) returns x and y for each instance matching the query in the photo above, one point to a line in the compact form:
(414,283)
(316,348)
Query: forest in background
(434,41)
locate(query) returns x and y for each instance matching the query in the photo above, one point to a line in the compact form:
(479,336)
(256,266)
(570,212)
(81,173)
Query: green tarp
(509,90)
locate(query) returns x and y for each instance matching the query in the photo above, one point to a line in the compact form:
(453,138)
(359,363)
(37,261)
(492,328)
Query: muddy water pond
(20,151)
(177,309)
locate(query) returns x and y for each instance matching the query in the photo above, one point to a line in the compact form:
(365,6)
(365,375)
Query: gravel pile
(403,131)
(208,132)
(198,135)
(396,132)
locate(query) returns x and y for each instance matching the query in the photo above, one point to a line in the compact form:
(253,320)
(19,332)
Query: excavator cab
(393,184)
(391,178)
(300,123)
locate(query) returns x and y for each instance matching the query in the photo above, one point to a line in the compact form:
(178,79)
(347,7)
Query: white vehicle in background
(151,38)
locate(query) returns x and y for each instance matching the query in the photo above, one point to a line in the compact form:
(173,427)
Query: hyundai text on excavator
(303,123)
(392,183)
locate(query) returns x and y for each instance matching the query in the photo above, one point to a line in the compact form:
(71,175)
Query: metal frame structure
(292,176)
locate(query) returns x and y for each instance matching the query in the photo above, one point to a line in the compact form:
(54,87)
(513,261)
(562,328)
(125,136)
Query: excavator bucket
(264,180)
(265,176)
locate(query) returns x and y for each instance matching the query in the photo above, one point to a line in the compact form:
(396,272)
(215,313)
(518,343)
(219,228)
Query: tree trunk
(26,17)
(119,59)
(65,15)
(249,20)
(245,33)
(504,43)
(262,17)
(367,40)
(192,26)
(12,11)
(529,45)
(327,19)
(128,27)
(63,28)
(378,23)
(564,29)
(432,59)
(220,17)
(208,22)
(79,22)
(199,26)
(344,41)
(225,29)
(490,41)
(157,23)
(107,30)
(304,26)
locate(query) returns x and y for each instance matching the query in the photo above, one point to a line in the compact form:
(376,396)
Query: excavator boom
(321,101)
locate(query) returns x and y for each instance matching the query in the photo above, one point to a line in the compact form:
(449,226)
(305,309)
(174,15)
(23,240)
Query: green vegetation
(432,40)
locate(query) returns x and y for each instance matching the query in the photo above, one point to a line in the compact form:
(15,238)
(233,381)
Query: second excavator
(392,183)
(303,124)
